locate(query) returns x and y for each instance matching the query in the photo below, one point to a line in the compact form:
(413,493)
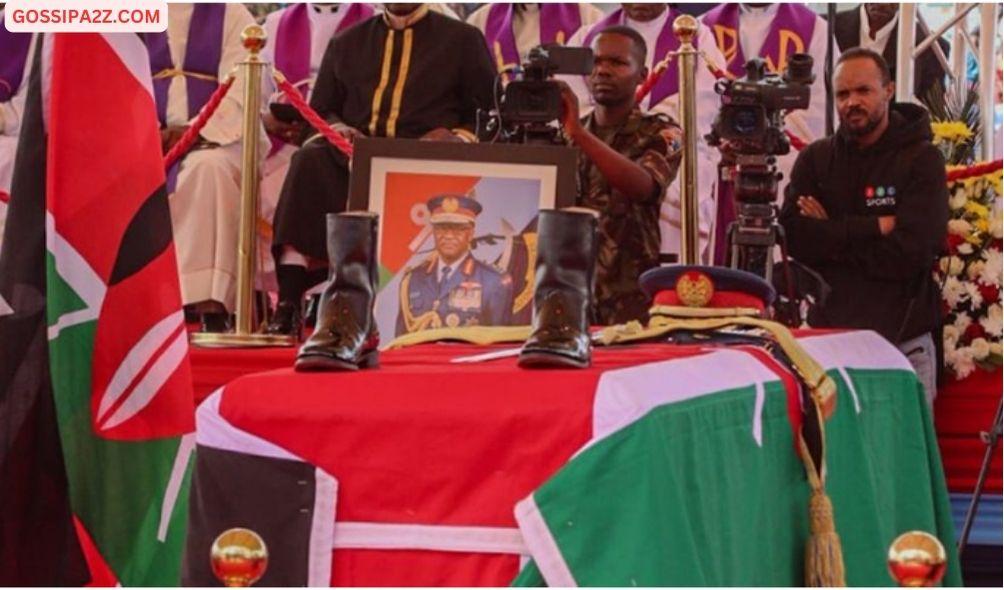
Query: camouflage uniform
(629,229)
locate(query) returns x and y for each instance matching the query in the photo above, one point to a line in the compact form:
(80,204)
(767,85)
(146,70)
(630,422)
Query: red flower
(953,241)
(974,331)
(990,293)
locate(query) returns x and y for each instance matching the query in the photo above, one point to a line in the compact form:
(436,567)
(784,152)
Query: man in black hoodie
(868,209)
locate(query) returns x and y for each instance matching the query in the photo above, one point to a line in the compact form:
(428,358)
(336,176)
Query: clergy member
(201,46)
(297,38)
(16,50)
(512,30)
(407,73)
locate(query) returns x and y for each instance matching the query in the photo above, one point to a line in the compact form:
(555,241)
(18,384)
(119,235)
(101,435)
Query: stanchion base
(224,340)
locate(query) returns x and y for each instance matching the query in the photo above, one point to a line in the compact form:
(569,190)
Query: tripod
(752,237)
(755,232)
(990,438)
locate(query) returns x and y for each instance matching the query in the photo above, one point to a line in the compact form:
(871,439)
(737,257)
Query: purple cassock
(790,33)
(13,56)
(201,64)
(292,42)
(558,22)
(668,84)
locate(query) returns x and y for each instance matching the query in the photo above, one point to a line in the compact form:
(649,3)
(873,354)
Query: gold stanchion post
(685,29)
(244,335)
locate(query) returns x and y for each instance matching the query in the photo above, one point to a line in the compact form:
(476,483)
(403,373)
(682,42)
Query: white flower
(981,348)
(996,225)
(954,292)
(959,227)
(964,248)
(962,321)
(952,265)
(991,274)
(995,348)
(993,323)
(961,361)
(975,297)
(975,269)
(951,334)
(958,200)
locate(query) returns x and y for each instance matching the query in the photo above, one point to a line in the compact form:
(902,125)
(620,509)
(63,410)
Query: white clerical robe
(205,205)
(707,108)
(526,23)
(324,23)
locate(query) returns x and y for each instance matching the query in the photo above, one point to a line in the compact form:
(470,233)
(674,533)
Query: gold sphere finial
(685,28)
(917,559)
(239,557)
(253,37)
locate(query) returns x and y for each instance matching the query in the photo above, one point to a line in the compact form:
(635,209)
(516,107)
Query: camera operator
(868,209)
(627,161)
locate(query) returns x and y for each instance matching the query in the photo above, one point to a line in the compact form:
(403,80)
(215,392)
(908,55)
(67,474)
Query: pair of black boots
(346,337)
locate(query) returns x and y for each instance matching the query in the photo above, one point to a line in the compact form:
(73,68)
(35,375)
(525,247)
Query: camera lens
(745,121)
(799,69)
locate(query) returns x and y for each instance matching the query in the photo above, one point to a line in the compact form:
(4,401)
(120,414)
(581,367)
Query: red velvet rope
(188,139)
(660,68)
(296,99)
(974,170)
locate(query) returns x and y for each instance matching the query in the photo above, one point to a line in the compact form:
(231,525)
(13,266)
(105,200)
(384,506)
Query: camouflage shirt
(628,229)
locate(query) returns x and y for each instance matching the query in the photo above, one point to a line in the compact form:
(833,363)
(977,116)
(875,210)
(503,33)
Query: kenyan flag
(117,350)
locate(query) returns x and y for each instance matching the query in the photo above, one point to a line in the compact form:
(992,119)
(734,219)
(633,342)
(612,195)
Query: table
(409,475)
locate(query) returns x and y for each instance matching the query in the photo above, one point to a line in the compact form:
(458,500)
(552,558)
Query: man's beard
(873,121)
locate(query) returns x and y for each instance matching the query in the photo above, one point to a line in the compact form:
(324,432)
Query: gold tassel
(824,559)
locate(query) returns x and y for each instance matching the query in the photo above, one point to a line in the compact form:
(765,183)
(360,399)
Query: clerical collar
(770,9)
(326,8)
(403,22)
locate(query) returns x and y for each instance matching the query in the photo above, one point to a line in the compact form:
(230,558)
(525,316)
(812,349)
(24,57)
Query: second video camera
(752,113)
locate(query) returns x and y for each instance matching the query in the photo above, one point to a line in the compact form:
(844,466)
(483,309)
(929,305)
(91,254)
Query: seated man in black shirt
(408,73)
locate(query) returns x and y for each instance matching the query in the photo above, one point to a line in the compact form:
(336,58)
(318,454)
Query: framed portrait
(458,227)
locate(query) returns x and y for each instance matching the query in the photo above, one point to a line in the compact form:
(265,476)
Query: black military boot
(563,290)
(346,337)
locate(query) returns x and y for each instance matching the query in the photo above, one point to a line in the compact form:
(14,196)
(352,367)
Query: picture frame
(499,187)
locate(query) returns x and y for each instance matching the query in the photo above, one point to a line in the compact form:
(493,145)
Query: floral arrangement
(970,272)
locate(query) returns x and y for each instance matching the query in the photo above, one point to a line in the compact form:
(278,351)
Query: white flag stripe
(178,471)
(78,274)
(213,430)
(861,349)
(138,358)
(625,395)
(133,55)
(429,537)
(147,388)
(73,318)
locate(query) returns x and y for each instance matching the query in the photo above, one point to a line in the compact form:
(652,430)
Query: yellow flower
(982,225)
(953,131)
(980,211)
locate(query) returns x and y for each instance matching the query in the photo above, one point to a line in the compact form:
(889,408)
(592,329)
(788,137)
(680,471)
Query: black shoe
(346,337)
(287,320)
(216,322)
(563,291)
